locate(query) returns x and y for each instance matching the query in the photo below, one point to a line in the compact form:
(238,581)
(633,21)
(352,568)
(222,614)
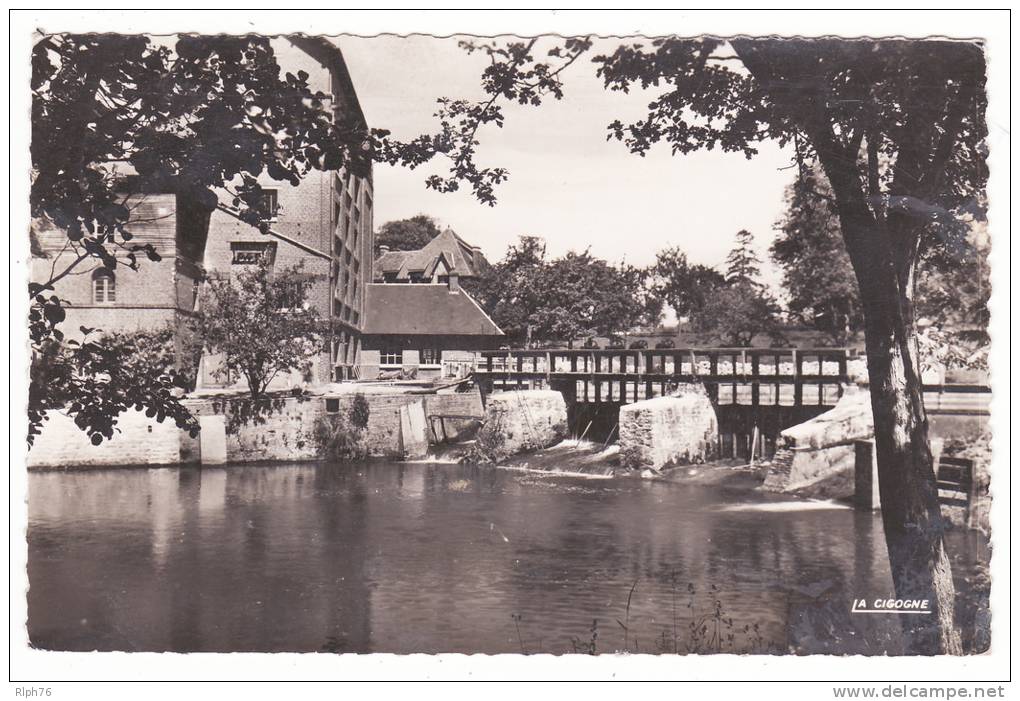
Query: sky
(567,183)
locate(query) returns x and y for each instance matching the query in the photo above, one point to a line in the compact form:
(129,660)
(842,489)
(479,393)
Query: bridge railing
(789,376)
(771,364)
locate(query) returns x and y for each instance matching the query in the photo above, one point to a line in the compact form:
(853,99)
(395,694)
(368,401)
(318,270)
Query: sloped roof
(418,309)
(462,258)
(391,261)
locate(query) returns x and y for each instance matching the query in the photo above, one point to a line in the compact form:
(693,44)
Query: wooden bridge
(757,377)
(744,376)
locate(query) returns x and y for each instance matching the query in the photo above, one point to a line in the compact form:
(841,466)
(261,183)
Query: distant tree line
(538,300)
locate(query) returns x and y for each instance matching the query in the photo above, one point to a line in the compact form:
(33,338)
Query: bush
(359,411)
(342,436)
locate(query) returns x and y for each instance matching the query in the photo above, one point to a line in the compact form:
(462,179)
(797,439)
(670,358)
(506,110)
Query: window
(251,252)
(332,405)
(391,356)
(270,203)
(104,286)
(431,356)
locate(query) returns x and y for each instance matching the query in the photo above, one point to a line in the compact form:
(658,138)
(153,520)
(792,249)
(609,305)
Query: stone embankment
(674,430)
(399,425)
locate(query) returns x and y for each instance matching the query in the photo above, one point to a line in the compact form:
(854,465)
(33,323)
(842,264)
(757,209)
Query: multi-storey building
(324,224)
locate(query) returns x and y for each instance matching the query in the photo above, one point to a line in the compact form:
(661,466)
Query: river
(420,557)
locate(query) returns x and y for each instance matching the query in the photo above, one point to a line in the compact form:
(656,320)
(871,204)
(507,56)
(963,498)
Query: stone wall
(526,419)
(674,430)
(397,427)
(138,441)
(819,454)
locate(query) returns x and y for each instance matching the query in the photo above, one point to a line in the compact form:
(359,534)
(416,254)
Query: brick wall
(158,293)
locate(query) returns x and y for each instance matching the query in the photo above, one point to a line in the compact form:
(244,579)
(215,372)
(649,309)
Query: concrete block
(675,430)
(526,419)
(818,457)
(213,439)
(413,426)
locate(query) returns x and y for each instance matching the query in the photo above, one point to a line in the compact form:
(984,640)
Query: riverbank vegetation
(341,436)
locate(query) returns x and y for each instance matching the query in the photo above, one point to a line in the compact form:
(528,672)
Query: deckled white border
(27,664)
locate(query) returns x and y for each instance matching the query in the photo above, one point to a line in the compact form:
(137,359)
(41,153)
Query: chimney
(454,282)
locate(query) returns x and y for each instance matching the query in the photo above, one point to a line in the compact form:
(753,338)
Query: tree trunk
(911,513)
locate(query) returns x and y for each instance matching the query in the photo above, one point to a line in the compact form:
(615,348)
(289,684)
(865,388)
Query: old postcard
(573,343)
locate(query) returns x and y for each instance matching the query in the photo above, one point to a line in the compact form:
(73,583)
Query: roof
(391,261)
(422,309)
(461,258)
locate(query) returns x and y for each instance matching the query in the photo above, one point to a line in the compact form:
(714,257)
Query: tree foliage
(536,299)
(152,352)
(89,381)
(682,285)
(743,266)
(406,234)
(817,274)
(262,324)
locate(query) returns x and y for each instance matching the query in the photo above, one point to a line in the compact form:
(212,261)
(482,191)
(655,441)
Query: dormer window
(104,286)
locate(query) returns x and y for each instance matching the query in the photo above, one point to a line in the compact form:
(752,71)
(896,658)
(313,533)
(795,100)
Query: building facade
(156,295)
(329,213)
(445,255)
(421,320)
(423,330)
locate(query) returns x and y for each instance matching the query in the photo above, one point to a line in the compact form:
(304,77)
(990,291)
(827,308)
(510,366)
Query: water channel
(425,557)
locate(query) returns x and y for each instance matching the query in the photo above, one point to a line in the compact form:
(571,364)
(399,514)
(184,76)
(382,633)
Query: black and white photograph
(628,344)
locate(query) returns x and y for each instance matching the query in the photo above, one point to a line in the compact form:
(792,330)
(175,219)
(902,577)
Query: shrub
(359,411)
(341,436)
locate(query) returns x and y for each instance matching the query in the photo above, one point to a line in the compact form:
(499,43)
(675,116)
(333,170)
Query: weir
(768,389)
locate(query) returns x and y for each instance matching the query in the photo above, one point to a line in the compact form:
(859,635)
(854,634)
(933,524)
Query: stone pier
(818,457)
(520,420)
(675,430)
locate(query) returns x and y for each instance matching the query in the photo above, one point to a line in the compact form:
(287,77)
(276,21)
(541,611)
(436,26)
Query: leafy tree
(556,301)
(736,314)
(407,234)
(743,266)
(736,308)
(114,116)
(817,273)
(90,381)
(953,288)
(682,285)
(585,296)
(897,127)
(261,322)
(153,352)
(512,289)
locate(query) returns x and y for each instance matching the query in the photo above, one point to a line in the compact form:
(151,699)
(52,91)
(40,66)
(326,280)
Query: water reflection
(435,558)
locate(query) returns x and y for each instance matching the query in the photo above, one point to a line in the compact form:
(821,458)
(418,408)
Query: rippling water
(388,557)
